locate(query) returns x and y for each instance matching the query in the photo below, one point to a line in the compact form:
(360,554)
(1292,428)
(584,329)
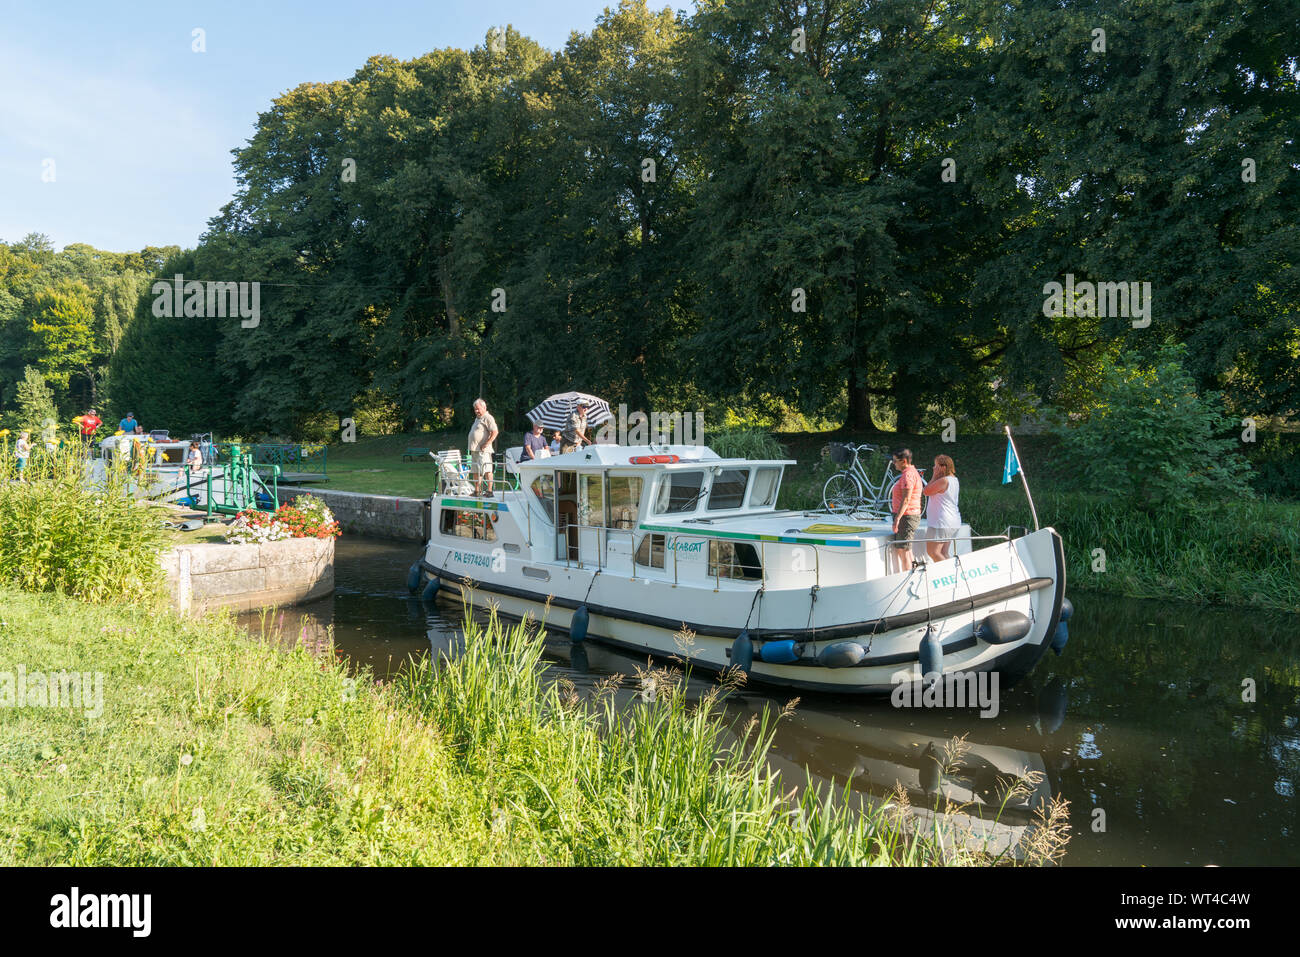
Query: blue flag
(1011,467)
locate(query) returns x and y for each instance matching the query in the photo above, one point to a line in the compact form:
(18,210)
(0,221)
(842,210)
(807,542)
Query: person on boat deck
(906,506)
(193,458)
(942,516)
(128,424)
(555,444)
(481,436)
(535,444)
(575,430)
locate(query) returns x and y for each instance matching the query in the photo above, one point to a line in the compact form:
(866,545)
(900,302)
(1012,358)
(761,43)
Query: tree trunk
(907,407)
(859,415)
(444,279)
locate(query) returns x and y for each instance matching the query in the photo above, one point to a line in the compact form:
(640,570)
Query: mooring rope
(757,597)
(591,586)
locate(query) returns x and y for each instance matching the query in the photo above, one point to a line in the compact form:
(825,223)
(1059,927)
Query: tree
(168,372)
(34,402)
(60,322)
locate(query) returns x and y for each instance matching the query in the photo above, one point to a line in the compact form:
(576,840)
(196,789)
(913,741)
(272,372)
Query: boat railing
(885,542)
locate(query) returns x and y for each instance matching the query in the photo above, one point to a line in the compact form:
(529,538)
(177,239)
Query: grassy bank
(214,749)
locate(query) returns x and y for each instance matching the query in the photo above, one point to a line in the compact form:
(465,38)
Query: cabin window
(679,492)
(544,488)
(650,552)
(591,507)
(171,456)
(766,481)
(467,523)
(734,560)
(728,490)
(624,498)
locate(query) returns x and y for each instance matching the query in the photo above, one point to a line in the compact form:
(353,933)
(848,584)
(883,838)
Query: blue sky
(139,127)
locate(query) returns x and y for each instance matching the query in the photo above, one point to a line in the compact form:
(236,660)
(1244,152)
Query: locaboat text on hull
(674,551)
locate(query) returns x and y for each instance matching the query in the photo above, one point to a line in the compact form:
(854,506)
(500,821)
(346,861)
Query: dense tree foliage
(846,208)
(64,314)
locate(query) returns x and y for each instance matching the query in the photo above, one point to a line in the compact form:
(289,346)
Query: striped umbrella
(553,412)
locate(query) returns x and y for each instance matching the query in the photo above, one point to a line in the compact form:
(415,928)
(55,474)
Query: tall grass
(663,782)
(1237,553)
(61,532)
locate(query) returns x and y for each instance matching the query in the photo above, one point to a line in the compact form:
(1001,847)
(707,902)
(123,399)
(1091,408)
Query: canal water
(1141,725)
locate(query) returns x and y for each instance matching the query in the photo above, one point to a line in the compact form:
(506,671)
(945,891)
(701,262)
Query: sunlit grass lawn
(374,464)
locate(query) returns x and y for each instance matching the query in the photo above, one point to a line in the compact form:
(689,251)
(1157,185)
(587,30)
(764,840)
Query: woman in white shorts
(942,516)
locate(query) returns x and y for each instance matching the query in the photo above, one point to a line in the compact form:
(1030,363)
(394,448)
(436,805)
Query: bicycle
(852,490)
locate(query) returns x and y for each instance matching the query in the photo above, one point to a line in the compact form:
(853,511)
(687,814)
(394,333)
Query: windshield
(679,492)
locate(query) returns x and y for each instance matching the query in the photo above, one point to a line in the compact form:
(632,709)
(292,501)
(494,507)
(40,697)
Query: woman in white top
(942,516)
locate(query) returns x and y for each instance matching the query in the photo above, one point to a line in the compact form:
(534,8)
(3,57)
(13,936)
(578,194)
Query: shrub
(745,443)
(62,531)
(1152,441)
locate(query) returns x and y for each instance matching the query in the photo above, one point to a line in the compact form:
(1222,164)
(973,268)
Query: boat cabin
(598,498)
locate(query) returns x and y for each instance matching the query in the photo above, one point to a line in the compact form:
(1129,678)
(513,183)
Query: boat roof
(620,456)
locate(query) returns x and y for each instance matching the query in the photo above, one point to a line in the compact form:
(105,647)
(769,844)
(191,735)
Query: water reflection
(1142,720)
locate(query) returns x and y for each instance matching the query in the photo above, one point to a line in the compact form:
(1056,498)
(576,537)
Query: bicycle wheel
(841,493)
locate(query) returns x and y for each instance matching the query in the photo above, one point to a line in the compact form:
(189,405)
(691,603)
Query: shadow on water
(1141,725)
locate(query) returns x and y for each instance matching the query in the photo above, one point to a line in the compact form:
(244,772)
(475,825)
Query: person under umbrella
(575,430)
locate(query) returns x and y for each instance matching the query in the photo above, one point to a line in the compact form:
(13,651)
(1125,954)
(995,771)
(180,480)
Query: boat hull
(893,620)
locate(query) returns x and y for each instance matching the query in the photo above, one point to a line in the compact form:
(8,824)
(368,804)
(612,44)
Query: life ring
(653,459)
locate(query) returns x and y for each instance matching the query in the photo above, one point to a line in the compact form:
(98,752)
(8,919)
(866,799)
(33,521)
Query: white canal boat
(675,551)
(164,477)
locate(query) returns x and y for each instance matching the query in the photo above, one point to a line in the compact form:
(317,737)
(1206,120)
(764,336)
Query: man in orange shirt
(906,506)
(88,423)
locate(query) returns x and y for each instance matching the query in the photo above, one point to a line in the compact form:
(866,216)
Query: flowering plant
(308,517)
(305,517)
(252,527)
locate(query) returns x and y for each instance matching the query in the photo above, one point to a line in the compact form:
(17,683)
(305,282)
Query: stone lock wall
(380,516)
(245,577)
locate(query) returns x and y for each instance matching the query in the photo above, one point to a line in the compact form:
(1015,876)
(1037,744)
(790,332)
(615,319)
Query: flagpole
(1020,467)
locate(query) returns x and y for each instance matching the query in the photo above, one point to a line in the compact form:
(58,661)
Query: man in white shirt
(481,436)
